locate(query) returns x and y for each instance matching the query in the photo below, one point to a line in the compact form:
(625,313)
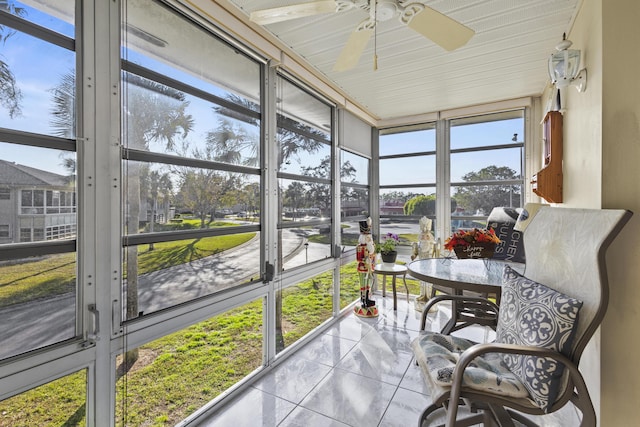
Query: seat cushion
(533,314)
(438,354)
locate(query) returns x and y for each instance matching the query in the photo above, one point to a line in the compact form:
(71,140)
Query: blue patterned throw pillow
(534,315)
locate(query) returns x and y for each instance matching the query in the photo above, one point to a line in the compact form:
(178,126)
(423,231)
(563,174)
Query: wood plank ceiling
(505,59)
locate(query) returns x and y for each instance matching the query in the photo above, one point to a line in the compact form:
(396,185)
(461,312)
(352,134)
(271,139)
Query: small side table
(393,271)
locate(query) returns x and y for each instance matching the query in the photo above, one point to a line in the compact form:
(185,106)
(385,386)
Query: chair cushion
(437,355)
(534,315)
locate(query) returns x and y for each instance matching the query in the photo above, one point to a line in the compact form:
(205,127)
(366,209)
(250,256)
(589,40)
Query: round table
(393,271)
(477,275)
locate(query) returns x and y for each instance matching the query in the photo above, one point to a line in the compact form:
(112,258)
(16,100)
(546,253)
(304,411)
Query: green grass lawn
(52,275)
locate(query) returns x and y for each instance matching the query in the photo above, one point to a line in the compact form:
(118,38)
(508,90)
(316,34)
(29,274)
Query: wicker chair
(532,367)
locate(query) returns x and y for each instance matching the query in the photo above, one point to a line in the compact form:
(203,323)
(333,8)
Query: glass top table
(478,275)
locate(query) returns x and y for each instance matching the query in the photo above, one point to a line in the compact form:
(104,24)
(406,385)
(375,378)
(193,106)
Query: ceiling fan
(439,28)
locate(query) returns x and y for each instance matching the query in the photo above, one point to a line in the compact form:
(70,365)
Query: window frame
(443,153)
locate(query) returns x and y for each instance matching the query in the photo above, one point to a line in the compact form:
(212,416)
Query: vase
(389,258)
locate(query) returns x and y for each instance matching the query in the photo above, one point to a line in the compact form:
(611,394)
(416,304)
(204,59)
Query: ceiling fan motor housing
(385,10)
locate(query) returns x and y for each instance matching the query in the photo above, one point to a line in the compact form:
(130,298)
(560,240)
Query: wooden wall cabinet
(548,182)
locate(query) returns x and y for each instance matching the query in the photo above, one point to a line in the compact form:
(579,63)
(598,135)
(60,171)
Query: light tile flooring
(359,373)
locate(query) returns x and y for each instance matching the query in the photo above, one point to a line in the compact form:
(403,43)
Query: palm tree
(63,121)
(10,94)
(155,185)
(153,113)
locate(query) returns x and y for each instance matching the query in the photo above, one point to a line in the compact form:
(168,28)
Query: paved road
(36,324)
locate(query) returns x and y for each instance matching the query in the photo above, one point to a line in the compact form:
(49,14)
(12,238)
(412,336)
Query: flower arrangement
(388,244)
(471,237)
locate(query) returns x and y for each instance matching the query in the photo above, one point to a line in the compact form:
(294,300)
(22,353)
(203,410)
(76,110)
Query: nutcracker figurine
(366,256)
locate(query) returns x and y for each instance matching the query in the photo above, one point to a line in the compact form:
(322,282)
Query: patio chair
(532,367)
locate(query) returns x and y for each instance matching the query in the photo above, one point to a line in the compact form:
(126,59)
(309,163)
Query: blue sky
(38,67)
(421,169)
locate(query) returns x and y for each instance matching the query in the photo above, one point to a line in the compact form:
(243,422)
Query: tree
(490,192)
(395,196)
(248,196)
(63,121)
(63,113)
(230,140)
(295,196)
(155,185)
(421,205)
(424,205)
(292,136)
(203,192)
(154,113)
(10,94)
(319,194)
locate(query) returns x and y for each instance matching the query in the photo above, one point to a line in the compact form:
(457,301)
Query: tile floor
(359,373)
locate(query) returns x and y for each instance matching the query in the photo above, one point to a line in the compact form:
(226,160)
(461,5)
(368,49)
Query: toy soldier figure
(366,256)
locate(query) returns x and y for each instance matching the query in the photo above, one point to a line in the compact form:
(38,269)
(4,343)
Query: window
(190,161)
(407,179)
(354,196)
(68,395)
(484,165)
(37,149)
(487,158)
(192,366)
(305,162)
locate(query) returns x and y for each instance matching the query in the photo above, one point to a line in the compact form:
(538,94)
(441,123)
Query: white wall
(601,155)
(582,167)
(621,188)
(582,148)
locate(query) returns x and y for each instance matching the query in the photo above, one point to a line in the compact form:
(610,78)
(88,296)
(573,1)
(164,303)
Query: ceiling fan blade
(352,51)
(285,13)
(439,28)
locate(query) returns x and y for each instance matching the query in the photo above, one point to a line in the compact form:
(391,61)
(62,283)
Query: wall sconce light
(564,67)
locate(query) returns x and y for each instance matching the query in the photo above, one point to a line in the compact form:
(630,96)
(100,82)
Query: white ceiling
(505,59)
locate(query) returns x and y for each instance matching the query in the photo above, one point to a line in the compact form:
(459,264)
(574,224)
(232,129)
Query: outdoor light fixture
(564,67)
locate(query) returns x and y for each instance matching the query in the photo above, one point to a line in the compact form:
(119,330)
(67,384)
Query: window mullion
(443,178)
